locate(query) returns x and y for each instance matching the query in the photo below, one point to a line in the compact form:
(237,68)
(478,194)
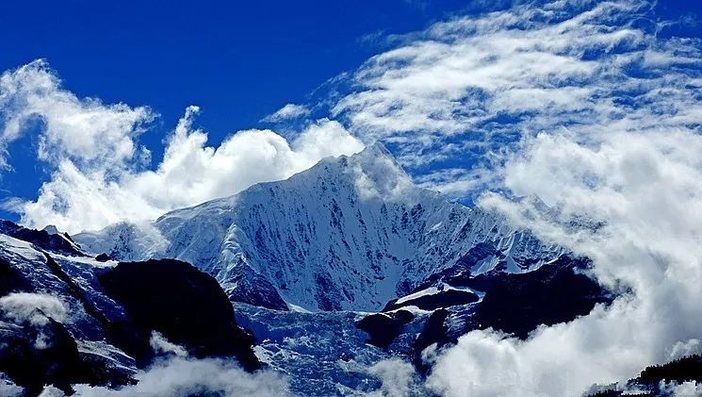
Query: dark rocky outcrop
(513,303)
(103,257)
(11,280)
(184,304)
(59,243)
(519,303)
(383,328)
(254,289)
(680,370)
(444,298)
(649,381)
(34,355)
(434,331)
(42,351)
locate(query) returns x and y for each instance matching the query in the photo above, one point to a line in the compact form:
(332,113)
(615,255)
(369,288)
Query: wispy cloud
(287,112)
(464,92)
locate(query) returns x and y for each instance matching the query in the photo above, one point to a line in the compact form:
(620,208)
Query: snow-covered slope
(67,318)
(350,233)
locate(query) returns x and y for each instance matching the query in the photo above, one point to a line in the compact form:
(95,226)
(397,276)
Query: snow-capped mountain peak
(351,232)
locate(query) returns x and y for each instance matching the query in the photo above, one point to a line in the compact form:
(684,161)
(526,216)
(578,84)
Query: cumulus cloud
(84,131)
(181,377)
(100,173)
(287,112)
(641,188)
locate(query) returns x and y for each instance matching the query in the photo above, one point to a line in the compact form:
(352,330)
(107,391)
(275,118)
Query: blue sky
(242,62)
(239,61)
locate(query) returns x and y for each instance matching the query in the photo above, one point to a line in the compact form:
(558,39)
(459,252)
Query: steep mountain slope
(66,318)
(351,233)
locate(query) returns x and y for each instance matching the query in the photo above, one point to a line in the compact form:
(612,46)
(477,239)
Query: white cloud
(685,389)
(182,377)
(643,188)
(84,131)
(99,175)
(684,349)
(397,378)
(32,308)
(287,112)
(9,389)
(464,91)
(160,345)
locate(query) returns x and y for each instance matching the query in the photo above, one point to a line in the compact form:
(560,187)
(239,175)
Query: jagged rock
(555,293)
(383,328)
(94,341)
(103,257)
(185,305)
(41,238)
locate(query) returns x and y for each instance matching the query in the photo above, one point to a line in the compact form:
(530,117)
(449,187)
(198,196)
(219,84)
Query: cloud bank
(611,147)
(643,191)
(101,175)
(182,377)
(397,377)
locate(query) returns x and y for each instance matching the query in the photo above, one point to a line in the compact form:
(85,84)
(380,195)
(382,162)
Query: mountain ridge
(350,233)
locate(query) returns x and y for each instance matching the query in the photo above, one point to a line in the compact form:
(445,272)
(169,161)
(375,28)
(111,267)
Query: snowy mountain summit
(350,233)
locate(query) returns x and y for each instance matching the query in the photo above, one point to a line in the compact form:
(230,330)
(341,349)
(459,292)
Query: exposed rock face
(383,328)
(34,355)
(55,242)
(555,293)
(454,303)
(69,319)
(185,305)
